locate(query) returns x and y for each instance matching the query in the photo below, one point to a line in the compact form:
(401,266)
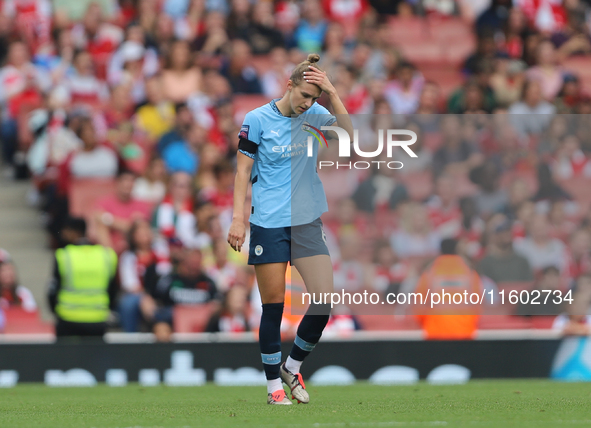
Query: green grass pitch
(525,403)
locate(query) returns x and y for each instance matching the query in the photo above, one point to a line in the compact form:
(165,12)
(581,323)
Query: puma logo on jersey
(275,132)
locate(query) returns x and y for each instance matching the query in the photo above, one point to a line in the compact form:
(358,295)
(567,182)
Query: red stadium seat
(408,30)
(19,321)
(387,322)
(192,318)
(542,322)
(503,322)
(456,38)
(455,52)
(578,188)
(25,136)
(261,63)
(447,29)
(447,78)
(84,193)
(423,52)
(245,103)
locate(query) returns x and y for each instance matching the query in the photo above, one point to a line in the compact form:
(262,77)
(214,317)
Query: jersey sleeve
(325,117)
(250,135)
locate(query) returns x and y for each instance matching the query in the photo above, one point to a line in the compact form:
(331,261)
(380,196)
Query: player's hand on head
(319,78)
(236,235)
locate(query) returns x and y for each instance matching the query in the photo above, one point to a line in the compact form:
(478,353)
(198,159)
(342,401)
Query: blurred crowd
(149,96)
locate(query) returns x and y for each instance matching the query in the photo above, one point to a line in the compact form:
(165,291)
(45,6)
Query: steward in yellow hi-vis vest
(83,286)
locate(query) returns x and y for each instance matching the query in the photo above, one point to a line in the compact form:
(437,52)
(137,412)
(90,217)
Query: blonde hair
(297,76)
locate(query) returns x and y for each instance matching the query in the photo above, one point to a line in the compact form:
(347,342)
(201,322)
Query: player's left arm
(320,79)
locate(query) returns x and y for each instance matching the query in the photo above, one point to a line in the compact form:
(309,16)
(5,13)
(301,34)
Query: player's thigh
(316,271)
(271,280)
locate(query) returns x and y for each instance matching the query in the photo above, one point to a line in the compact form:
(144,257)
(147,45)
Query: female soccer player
(287,202)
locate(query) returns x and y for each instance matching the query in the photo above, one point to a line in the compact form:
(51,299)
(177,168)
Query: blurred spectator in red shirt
(133,264)
(120,107)
(350,274)
(222,195)
(346,219)
(95,35)
(12,294)
(546,15)
(347,12)
(443,209)
(576,319)
(429,100)
(81,84)
(471,229)
(115,214)
(388,269)
(174,217)
(223,272)
(132,50)
(579,253)
(515,28)
(22,85)
(570,161)
(561,224)
(233,315)
(32,19)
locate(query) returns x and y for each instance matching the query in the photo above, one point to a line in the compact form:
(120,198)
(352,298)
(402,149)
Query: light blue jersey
(286,189)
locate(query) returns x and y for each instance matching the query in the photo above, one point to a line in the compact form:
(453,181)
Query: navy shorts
(282,244)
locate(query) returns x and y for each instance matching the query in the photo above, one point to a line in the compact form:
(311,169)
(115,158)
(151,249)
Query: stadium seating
(503,322)
(244,103)
(19,321)
(578,188)
(84,193)
(192,318)
(373,322)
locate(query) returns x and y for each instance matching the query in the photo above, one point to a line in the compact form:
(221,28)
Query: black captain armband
(247,147)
